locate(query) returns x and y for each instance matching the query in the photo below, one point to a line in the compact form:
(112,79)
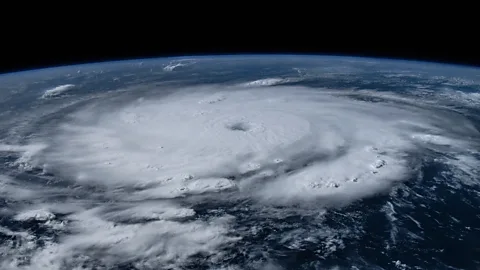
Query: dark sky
(45,46)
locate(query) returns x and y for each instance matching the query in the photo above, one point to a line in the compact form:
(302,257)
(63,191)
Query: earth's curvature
(241,162)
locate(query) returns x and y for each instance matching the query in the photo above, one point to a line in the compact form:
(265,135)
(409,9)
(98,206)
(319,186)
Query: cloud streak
(57,91)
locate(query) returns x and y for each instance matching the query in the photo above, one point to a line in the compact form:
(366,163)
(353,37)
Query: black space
(66,42)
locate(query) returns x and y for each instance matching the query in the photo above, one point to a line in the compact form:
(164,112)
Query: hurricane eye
(238,126)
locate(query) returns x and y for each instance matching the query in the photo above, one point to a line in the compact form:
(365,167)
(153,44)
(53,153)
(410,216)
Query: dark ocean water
(429,221)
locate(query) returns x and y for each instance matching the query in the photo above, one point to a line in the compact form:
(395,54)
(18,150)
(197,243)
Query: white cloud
(58,90)
(266,82)
(178,63)
(129,166)
(180,145)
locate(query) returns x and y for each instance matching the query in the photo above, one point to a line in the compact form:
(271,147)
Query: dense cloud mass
(139,169)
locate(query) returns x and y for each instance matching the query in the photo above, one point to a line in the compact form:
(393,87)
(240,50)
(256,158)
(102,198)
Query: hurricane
(247,173)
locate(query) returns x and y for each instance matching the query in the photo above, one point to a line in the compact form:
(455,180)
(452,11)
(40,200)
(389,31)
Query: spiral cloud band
(153,159)
(277,143)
